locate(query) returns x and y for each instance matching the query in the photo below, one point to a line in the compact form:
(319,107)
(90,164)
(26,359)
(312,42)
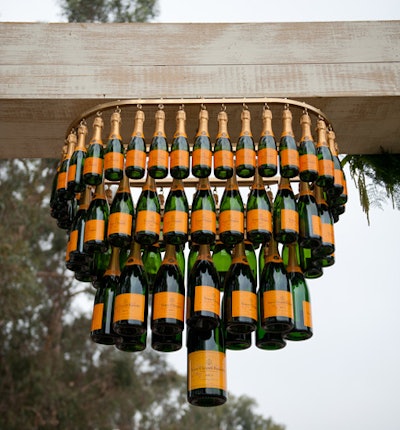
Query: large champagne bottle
(76,164)
(308,171)
(152,261)
(223,154)
(288,154)
(148,215)
(179,156)
(203,293)
(222,260)
(168,296)
(176,215)
(285,216)
(325,161)
(240,299)
(202,154)
(258,213)
(245,149)
(114,151)
(203,217)
(309,220)
(158,154)
(267,153)
(337,193)
(327,231)
(231,214)
(206,367)
(135,166)
(131,297)
(62,177)
(94,162)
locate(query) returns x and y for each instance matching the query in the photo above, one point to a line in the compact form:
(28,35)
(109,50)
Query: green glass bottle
(94,162)
(165,343)
(158,155)
(302,328)
(55,204)
(202,154)
(258,213)
(289,162)
(327,230)
(310,266)
(75,169)
(203,216)
(231,214)
(148,214)
(114,151)
(135,165)
(245,149)
(206,367)
(131,343)
(192,257)
(308,160)
(250,254)
(309,220)
(152,261)
(203,292)
(325,161)
(267,154)
(167,316)
(337,187)
(222,260)
(180,258)
(179,155)
(338,198)
(285,216)
(62,177)
(98,266)
(176,215)
(223,154)
(240,304)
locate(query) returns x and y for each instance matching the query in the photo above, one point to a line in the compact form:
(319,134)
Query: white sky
(347,376)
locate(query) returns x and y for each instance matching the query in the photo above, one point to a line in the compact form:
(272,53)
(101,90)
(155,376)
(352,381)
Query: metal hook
(99,113)
(117,109)
(266,106)
(223,107)
(139,106)
(203,106)
(160,106)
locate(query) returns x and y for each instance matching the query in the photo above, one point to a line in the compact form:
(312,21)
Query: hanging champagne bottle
(308,160)
(193,254)
(152,262)
(245,149)
(135,166)
(121,216)
(179,155)
(309,220)
(94,162)
(285,216)
(148,216)
(325,161)
(114,151)
(158,154)
(176,215)
(206,369)
(131,297)
(62,178)
(76,164)
(223,154)
(203,217)
(288,153)
(55,203)
(167,316)
(267,153)
(337,187)
(202,154)
(98,266)
(327,231)
(203,294)
(180,258)
(222,260)
(310,266)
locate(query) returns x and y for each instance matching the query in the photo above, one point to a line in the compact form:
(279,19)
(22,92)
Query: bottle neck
(113,267)
(284,184)
(124,185)
(204,184)
(99,192)
(222,125)
(170,255)
(267,123)
(239,254)
(258,183)
(177,184)
(71,145)
(160,123)
(271,253)
(135,256)
(150,184)
(293,265)
(115,126)
(203,123)
(321,128)
(331,143)
(304,189)
(204,252)
(232,184)
(319,195)
(287,129)
(245,117)
(180,124)
(138,126)
(98,125)
(82,132)
(305,122)
(85,199)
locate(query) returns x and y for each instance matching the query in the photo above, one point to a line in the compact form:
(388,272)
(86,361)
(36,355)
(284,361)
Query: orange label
(277,304)
(168,305)
(244,304)
(94,230)
(325,167)
(67,251)
(97,317)
(338,176)
(202,157)
(61,180)
(231,220)
(307,314)
(245,156)
(289,157)
(158,157)
(175,221)
(114,160)
(93,165)
(308,162)
(73,241)
(327,233)
(120,222)
(179,157)
(134,157)
(259,219)
(206,369)
(206,299)
(129,306)
(203,220)
(223,158)
(267,156)
(289,219)
(71,172)
(148,221)
(316,225)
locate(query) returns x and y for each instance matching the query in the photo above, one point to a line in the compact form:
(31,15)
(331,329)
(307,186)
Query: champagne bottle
(203,294)
(55,203)
(309,220)
(131,343)
(121,216)
(327,231)
(95,238)
(202,155)
(62,178)
(288,154)
(193,254)
(135,166)
(75,169)
(276,305)
(158,154)
(206,367)
(310,266)
(223,154)
(234,341)
(203,217)
(325,161)
(250,254)
(148,215)
(240,310)
(179,155)
(231,214)
(302,328)
(165,343)
(167,316)
(336,189)
(267,153)
(94,162)
(258,213)
(131,297)
(98,266)
(114,151)
(308,160)
(176,215)
(180,258)
(285,216)
(222,260)
(152,262)
(245,149)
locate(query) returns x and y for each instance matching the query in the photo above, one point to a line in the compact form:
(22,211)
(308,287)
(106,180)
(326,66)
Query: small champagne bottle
(94,162)
(309,220)
(267,154)
(152,261)
(179,155)
(308,160)
(62,178)
(326,168)
(336,189)
(327,230)
(158,155)
(76,164)
(114,151)
(223,154)
(245,149)
(135,166)
(289,163)
(202,154)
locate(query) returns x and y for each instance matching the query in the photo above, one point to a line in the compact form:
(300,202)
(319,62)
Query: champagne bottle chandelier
(133,248)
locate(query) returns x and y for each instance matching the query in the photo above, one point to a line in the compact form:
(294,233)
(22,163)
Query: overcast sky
(347,376)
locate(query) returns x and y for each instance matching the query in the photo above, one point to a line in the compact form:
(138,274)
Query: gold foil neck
(170,254)
(115,117)
(160,120)
(160,115)
(177,184)
(267,123)
(305,122)
(82,132)
(245,115)
(321,129)
(114,267)
(203,114)
(203,184)
(180,123)
(304,188)
(98,122)
(222,124)
(287,129)
(124,184)
(331,143)
(72,140)
(138,124)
